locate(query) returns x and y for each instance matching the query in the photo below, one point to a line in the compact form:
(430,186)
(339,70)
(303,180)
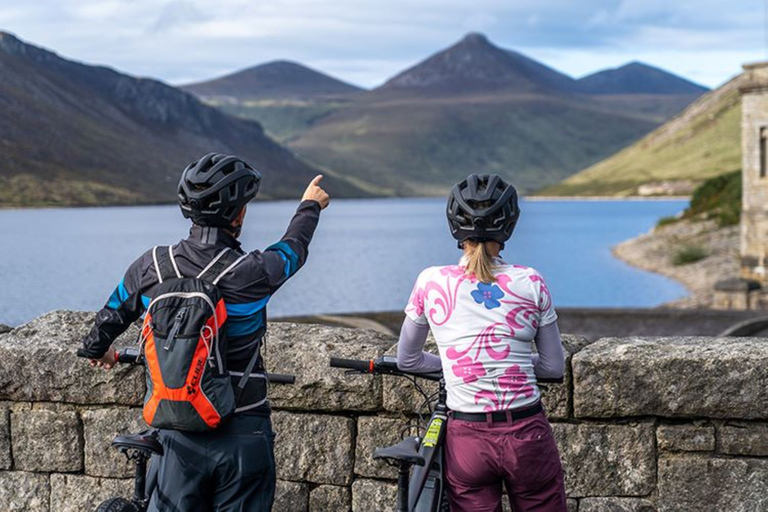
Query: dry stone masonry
(643,424)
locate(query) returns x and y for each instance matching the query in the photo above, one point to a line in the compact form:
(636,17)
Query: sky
(367,41)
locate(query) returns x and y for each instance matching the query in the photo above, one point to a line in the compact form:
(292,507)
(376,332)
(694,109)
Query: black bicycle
(424,488)
(140,447)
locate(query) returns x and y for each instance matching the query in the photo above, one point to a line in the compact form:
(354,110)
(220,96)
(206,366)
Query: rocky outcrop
(654,251)
(642,424)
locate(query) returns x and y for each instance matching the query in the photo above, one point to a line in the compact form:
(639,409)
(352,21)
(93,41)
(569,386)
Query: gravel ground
(654,251)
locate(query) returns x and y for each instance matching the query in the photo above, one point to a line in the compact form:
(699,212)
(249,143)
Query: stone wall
(643,424)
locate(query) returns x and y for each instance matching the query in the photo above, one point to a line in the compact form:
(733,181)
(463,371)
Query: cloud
(366,41)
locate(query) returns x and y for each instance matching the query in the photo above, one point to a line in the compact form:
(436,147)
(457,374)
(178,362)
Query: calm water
(365,255)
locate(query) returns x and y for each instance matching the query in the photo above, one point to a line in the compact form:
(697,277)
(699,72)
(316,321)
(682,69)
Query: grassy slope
(702,142)
(418,146)
(283,120)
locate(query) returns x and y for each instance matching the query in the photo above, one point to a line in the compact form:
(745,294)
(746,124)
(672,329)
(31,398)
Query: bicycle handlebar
(388,365)
(384,364)
(132,356)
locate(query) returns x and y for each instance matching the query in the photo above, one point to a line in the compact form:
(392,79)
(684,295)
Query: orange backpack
(184,343)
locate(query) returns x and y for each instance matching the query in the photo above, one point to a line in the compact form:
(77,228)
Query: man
(232,467)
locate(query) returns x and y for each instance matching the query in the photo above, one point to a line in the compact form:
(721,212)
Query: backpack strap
(248,370)
(223,263)
(165,264)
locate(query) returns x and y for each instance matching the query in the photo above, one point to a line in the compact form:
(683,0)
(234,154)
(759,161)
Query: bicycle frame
(425,488)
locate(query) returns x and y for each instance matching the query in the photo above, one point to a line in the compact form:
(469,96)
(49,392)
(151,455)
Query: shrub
(688,254)
(718,198)
(665,221)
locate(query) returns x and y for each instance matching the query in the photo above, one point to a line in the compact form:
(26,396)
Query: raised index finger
(316,181)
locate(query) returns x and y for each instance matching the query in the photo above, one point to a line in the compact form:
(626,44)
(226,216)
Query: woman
(485,314)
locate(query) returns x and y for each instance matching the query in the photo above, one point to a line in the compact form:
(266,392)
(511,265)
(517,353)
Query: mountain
(701,142)
(274,80)
(78,134)
(475,107)
(637,78)
(474,65)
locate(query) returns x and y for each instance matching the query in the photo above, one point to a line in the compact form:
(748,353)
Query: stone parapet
(641,424)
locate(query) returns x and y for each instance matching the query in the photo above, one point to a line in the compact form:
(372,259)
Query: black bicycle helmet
(213,190)
(483,207)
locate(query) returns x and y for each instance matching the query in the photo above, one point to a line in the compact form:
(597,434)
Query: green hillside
(282,119)
(701,142)
(418,146)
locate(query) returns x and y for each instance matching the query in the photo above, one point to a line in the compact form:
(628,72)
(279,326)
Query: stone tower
(754,143)
(749,291)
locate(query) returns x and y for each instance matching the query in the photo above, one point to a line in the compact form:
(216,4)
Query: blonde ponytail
(480,261)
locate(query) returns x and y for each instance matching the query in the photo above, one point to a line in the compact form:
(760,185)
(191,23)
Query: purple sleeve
(549,363)
(410,356)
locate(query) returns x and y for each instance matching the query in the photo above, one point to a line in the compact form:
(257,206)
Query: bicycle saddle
(145,441)
(406,450)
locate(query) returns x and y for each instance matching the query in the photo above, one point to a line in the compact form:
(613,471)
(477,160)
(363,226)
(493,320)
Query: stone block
(557,397)
(79,493)
(672,377)
(744,439)
(701,483)
(607,460)
(686,438)
(100,426)
(373,495)
(376,432)
(53,339)
(616,505)
(24,492)
(291,497)
(327,498)
(45,440)
(314,448)
(403,396)
(5,440)
(305,351)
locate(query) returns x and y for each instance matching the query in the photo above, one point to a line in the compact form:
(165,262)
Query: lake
(365,256)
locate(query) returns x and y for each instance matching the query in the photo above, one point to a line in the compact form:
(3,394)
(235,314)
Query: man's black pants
(230,469)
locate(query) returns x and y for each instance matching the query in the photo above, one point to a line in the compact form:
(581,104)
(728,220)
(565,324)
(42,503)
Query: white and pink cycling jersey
(484,332)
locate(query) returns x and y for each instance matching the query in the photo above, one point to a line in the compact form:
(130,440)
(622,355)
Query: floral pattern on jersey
(442,298)
(512,385)
(488,295)
(468,369)
(522,301)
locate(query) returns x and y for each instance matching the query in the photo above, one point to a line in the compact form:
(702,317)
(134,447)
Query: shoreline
(607,198)
(654,251)
(375,198)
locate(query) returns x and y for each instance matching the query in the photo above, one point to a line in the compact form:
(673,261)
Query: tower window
(763,151)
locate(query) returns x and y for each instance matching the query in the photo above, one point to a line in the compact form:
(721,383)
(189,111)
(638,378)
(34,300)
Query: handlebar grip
(558,380)
(128,356)
(361,365)
(281,378)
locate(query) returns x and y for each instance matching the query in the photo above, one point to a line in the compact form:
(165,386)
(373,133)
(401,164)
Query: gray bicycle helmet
(483,207)
(213,190)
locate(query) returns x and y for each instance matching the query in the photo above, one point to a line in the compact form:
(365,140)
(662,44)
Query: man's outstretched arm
(283,259)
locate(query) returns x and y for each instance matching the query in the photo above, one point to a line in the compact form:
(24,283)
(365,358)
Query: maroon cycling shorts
(522,454)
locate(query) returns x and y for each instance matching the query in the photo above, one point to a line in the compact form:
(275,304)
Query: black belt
(499,416)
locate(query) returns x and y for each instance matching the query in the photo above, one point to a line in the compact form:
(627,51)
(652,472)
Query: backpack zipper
(189,295)
(175,329)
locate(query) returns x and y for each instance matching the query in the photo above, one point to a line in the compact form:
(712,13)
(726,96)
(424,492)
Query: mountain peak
(638,78)
(475,64)
(275,79)
(475,38)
